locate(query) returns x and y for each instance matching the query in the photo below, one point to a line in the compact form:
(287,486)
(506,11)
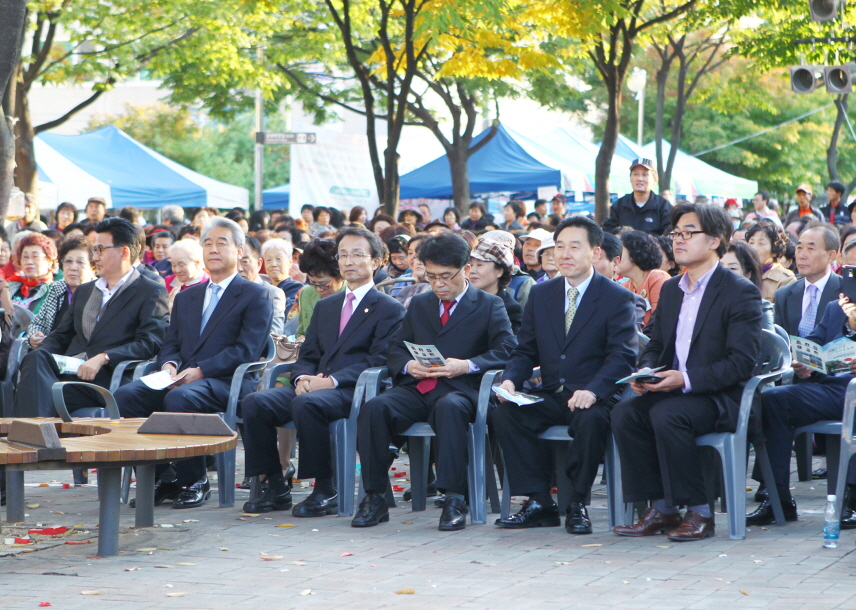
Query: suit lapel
(463,309)
(830,293)
(224,306)
(711,292)
(115,305)
(588,305)
(433,313)
(668,311)
(363,310)
(556,309)
(795,304)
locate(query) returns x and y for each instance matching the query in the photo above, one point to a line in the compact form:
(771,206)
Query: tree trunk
(832,150)
(389,197)
(459,155)
(12,19)
(26,174)
(603,164)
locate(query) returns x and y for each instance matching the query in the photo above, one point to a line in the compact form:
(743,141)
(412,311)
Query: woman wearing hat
(547,260)
(492,267)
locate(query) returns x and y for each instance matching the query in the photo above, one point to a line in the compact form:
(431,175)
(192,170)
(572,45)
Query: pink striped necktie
(347,312)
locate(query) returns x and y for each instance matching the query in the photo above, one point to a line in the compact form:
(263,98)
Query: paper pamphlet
(646,372)
(160,380)
(519,398)
(426,355)
(67,365)
(833,358)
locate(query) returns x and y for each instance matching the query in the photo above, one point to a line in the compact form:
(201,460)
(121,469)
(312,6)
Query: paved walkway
(215,558)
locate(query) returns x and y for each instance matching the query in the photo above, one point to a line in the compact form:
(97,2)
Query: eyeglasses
(32,257)
(356,256)
(445,278)
(99,250)
(685,235)
(320,285)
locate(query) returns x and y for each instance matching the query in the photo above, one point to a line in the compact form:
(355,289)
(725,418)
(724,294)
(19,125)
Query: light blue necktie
(212,304)
(807,323)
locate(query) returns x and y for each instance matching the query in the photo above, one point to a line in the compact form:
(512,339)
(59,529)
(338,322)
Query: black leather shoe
(454,515)
(532,514)
(441,499)
(762,493)
(317,505)
(268,501)
(431,492)
(372,510)
(763,515)
(577,520)
(820,473)
(163,492)
(193,495)
(289,475)
(848,518)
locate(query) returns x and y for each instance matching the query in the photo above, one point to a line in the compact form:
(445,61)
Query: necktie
(808,318)
(572,308)
(212,304)
(347,312)
(426,385)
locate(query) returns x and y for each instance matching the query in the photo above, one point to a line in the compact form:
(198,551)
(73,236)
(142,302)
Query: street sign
(282,137)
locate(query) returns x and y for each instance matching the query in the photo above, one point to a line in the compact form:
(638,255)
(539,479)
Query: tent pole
(259,147)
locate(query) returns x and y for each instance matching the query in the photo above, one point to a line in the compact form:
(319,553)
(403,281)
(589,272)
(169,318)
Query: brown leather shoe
(652,522)
(693,527)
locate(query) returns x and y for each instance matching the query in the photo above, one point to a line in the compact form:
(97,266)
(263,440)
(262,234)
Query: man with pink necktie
(471,330)
(348,333)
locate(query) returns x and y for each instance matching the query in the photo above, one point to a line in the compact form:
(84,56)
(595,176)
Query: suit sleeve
(500,342)
(150,329)
(525,355)
(779,305)
(385,331)
(399,355)
(652,353)
(742,341)
(621,345)
(171,349)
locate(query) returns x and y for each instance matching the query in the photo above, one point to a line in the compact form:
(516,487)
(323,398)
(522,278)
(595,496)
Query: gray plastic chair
(116,381)
(774,359)
(846,447)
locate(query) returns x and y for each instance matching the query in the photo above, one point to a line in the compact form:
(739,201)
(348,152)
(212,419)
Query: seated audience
(641,259)
(478,218)
(769,242)
(452,218)
(546,258)
(66,214)
(249,266)
(531,242)
(37,259)
(277,256)
(29,222)
(417,271)
(491,265)
(324,279)
(511,213)
(188,267)
(321,224)
(743,260)
(160,244)
(606,261)
(380,222)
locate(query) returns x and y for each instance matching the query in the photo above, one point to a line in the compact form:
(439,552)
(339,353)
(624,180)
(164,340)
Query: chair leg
(614,494)
(419,457)
(802,446)
(505,507)
(476,447)
(734,488)
(769,481)
(833,449)
(226,478)
(346,468)
(490,478)
(560,449)
(844,453)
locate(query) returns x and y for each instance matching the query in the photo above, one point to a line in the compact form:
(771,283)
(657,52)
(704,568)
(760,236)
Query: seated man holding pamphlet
(471,331)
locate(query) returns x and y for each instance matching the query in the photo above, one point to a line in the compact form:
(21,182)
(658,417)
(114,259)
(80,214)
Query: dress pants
(39,372)
(311,412)
(655,434)
(203,396)
(786,408)
(528,458)
(448,410)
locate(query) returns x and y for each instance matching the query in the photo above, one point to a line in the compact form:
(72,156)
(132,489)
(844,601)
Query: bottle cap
(830,498)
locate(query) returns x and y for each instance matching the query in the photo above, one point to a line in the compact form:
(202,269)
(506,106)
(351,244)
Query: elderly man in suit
(471,330)
(215,327)
(120,316)
(706,337)
(580,328)
(330,362)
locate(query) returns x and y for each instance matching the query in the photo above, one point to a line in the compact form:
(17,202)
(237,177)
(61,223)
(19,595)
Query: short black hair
(403,213)
(188,230)
(715,221)
(748,259)
(541,202)
(478,205)
(643,250)
(65,205)
(837,186)
(592,229)
(123,233)
(155,235)
(453,211)
(445,250)
(319,257)
(514,205)
(397,245)
(75,243)
(535,214)
(317,212)
(764,195)
(667,247)
(251,244)
(305,207)
(611,246)
(375,244)
(130,213)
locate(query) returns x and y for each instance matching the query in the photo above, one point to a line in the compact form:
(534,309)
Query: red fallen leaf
(45,604)
(398,488)
(78,542)
(393,468)
(65,486)
(346,554)
(400,474)
(238,485)
(49,531)
(93,558)
(23,541)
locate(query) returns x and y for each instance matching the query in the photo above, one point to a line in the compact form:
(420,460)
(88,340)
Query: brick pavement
(480,568)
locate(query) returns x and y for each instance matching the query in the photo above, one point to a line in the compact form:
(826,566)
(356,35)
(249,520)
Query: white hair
(172,213)
(224,223)
(190,247)
(277,244)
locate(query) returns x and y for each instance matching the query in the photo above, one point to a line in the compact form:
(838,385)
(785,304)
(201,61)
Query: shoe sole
(708,534)
(449,528)
(204,500)
(628,535)
(570,531)
(330,510)
(383,519)
(557,522)
(266,509)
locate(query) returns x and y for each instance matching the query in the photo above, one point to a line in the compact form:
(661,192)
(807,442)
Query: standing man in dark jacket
(642,209)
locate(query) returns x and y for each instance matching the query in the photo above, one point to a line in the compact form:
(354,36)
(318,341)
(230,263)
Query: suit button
(562,356)
(561,381)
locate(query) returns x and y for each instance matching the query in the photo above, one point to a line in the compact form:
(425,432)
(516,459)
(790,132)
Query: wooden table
(107,445)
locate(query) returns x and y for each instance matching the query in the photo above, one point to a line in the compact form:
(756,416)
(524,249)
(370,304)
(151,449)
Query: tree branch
(57,122)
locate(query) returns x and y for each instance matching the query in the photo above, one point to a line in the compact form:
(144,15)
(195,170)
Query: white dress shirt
(359,293)
(106,293)
(223,284)
(581,289)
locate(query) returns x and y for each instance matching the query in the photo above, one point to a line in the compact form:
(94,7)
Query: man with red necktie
(471,330)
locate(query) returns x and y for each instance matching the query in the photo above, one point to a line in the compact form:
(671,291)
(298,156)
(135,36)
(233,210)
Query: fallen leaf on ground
(758,561)
(663,546)
(298,563)
(78,542)
(165,566)
(407,522)
(306,592)
(95,592)
(272,557)
(346,554)
(251,514)
(176,594)
(184,563)
(285,525)
(406,591)
(563,563)
(744,592)
(146,550)
(592,545)
(190,521)
(626,582)
(164,548)
(223,548)
(36,505)
(131,569)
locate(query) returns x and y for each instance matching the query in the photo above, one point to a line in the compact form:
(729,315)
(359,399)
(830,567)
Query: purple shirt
(687,320)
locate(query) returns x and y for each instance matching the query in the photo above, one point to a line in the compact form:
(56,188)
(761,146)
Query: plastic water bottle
(831,525)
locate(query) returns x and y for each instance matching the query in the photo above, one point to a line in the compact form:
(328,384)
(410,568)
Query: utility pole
(257,203)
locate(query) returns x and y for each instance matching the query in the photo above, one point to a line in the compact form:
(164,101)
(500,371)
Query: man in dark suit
(330,362)
(120,316)
(813,397)
(800,305)
(214,328)
(581,330)
(471,330)
(706,337)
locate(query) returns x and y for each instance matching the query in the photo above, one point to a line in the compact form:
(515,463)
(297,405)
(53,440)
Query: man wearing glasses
(348,333)
(706,338)
(471,330)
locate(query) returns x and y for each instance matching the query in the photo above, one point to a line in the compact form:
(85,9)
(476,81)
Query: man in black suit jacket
(214,328)
(706,337)
(121,316)
(471,330)
(800,305)
(325,374)
(581,330)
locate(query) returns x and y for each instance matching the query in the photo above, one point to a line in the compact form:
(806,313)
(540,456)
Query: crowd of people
(540,289)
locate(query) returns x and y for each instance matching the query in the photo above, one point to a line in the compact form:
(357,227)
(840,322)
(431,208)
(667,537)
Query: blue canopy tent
(276,197)
(109,163)
(501,165)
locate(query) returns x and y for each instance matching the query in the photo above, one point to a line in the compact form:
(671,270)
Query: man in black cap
(642,209)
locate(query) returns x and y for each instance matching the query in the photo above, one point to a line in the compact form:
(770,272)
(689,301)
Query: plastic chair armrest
(62,409)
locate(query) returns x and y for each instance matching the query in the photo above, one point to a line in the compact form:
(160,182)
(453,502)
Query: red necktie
(426,385)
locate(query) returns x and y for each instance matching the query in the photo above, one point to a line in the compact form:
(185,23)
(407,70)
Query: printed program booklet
(519,398)
(641,374)
(426,355)
(67,365)
(833,358)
